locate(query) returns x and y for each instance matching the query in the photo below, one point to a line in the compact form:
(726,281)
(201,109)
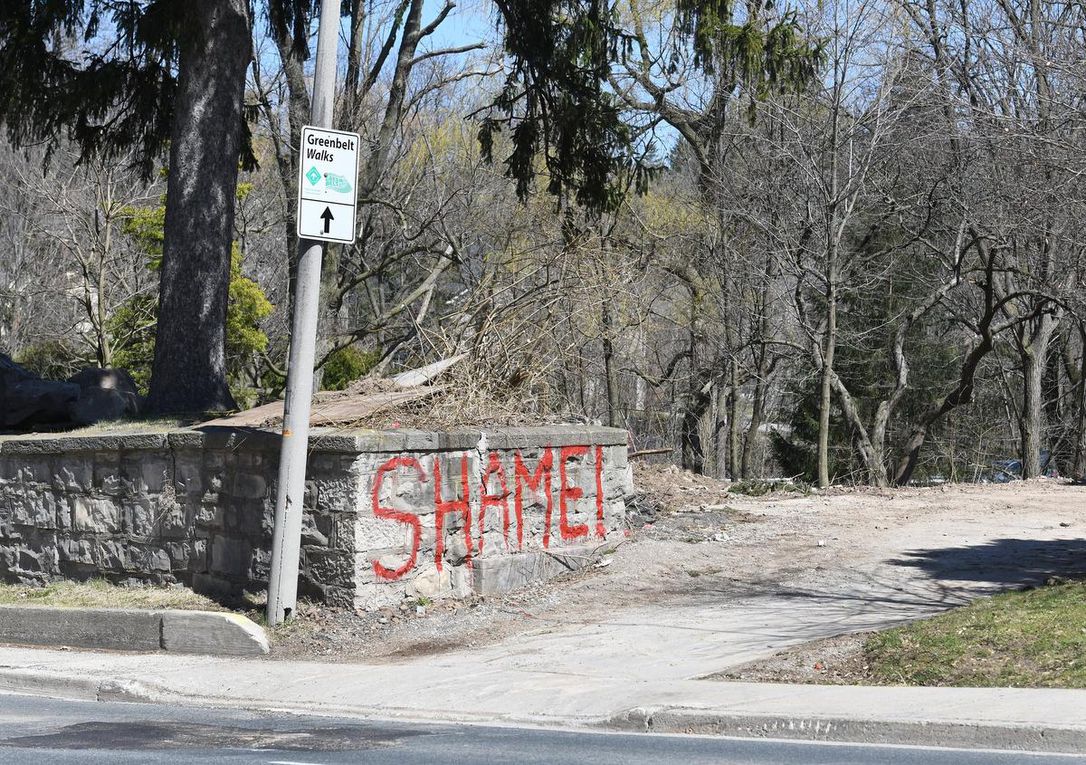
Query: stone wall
(512,506)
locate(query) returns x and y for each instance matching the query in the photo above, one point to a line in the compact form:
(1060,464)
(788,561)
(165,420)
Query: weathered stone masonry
(512,506)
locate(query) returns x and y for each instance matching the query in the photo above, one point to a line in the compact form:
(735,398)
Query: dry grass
(101,594)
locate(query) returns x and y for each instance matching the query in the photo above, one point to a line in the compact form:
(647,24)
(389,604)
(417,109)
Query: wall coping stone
(321,439)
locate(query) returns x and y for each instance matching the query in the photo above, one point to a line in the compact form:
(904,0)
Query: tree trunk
(753,441)
(825,394)
(189,371)
(1079,468)
(734,449)
(610,373)
(692,449)
(1034,355)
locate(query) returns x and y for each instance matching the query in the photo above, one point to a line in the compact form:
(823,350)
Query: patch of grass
(99,593)
(1033,638)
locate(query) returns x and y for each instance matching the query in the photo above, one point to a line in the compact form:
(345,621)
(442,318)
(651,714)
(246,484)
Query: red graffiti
(443,507)
(501,499)
(567,494)
(494,493)
(408,519)
(601,530)
(522,477)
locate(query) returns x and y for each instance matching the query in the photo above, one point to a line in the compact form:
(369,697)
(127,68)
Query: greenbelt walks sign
(328,174)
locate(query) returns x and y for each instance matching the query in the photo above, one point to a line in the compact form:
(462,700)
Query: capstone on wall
(387,515)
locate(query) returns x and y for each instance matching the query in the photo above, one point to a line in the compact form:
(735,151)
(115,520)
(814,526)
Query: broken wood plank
(329,408)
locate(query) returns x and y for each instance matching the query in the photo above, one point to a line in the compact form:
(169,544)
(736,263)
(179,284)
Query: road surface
(47,731)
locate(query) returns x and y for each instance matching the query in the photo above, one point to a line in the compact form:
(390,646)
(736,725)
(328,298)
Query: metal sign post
(287,536)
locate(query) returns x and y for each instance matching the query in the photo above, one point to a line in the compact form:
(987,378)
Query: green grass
(98,593)
(1033,638)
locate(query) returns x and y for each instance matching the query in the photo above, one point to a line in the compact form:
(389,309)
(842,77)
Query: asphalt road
(44,731)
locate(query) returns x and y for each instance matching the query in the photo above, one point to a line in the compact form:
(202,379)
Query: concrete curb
(205,632)
(919,732)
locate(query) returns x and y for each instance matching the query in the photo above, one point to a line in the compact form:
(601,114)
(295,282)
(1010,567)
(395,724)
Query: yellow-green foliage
(1035,638)
(346,365)
(248,306)
(133,324)
(670,215)
(146,226)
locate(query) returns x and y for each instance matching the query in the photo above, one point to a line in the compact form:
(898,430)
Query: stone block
(492,576)
(214,461)
(250,459)
(107,475)
(146,473)
(247,519)
(430,583)
(259,565)
(376,533)
(316,529)
(372,596)
(188,474)
(248,485)
(81,627)
(98,516)
(344,526)
(331,567)
(336,495)
(33,507)
(139,518)
(8,555)
(34,470)
(75,551)
(229,557)
(158,561)
(112,556)
(30,560)
(172,519)
(210,515)
(212,633)
(74,473)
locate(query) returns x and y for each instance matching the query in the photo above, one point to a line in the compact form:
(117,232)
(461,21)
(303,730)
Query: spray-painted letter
(408,519)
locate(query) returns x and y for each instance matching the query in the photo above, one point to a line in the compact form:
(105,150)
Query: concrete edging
(207,632)
(918,732)
(321,439)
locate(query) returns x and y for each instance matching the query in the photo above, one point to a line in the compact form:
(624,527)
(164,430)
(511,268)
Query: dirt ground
(693,542)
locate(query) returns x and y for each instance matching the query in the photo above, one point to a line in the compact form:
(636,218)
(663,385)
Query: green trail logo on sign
(327,177)
(337,183)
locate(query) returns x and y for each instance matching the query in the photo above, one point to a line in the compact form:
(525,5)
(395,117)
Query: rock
(26,399)
(430,583)
(104,394)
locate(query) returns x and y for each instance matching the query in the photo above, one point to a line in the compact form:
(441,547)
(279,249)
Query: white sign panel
(327,177)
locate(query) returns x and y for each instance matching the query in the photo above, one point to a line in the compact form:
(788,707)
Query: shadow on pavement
(1006,563)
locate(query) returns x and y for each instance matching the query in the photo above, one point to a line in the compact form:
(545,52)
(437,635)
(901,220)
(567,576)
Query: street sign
(327,177)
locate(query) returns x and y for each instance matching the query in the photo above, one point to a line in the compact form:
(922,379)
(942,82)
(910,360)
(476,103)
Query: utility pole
(287,537)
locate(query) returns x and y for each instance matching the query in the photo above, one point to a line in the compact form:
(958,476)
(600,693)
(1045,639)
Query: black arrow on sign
(327,217)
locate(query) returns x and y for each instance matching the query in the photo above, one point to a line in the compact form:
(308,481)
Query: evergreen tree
(149,75)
